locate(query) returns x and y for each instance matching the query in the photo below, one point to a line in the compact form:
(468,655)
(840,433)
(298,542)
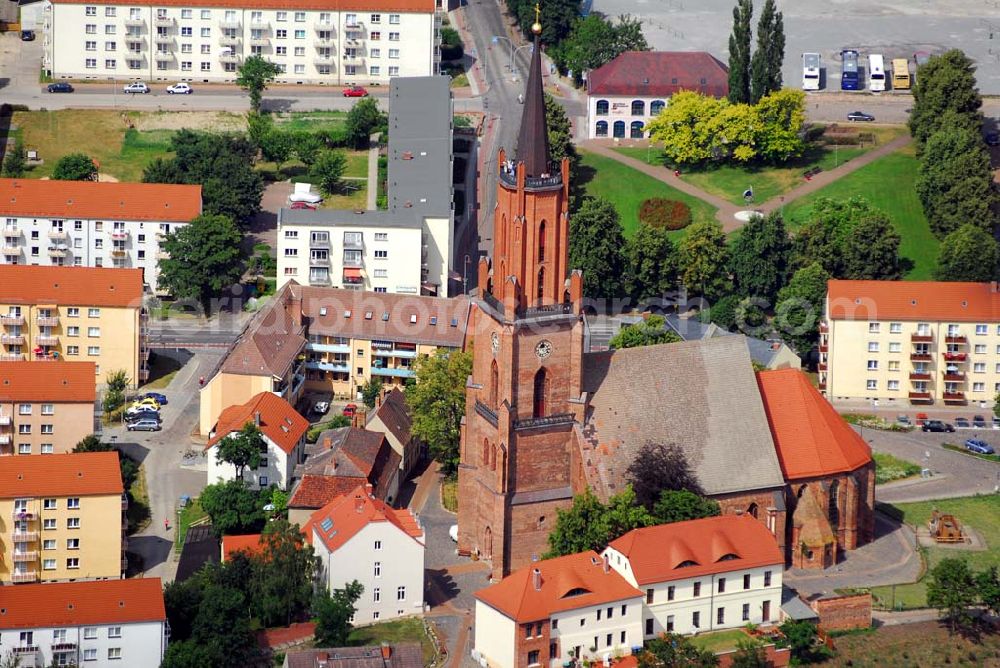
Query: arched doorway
(619,129)
(541,393)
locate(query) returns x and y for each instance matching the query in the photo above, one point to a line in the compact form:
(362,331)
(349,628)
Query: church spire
(533,138)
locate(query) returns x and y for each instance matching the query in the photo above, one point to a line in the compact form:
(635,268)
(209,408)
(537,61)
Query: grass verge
(719,641)
(138,513)
(192,513)
(409,629)
(605,177)
(889,468)
(162,370)
(449,494)
(312,121)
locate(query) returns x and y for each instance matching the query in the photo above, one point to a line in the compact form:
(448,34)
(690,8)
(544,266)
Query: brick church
(545,418)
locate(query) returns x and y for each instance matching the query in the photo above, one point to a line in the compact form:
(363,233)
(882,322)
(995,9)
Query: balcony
(353,279)
(921,397)
(163,22)
(402,354)
(354,60)
(118,252)
(64,646)
(22,650)
(5,439)
(15,320)
(920,357)
(958,339)
(12,339)
(230,40)
(5,420)
(821,385)
(47,340)
(135,44)
(229,58)
(20,514)
(954,357)
(822,366)
(954,397)
(58,251)
(230,24)
(956,376)
(921,338)
(323,59)
(328,366)
(260,40)
(23,536)
(919,375)
(167,40)
(401,372)
(25,556)
(119,235)
(58,235)
(124,503)
(353,24)
(329,348)
(134,23)
(47,321)
(323,26)
(11,233)
(12,357)
(353,263)
(11,250)
(354,242)
(164,57)
(824,348)
(143,374)
(319,261)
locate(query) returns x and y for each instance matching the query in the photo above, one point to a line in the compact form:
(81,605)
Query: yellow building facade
(45,407)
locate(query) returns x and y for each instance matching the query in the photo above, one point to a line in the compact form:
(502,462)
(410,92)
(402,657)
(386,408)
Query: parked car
(979,422)
(144,425)
(303,205)
(27,35)
(157,397)
(355,91)
(142,415)
(147,401)
(937,425)
(860,116)
(350,410)
(309,198)
(133,410)
(136,87)
(996,421)
(180,89)
(60,87)
(321,407)
(980,446)
(921,418)
(904,420)
(961,423)
(993,138)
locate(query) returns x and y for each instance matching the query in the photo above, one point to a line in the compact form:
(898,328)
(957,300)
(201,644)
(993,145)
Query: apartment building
(354,42)
(911,342)
(702,575)
(92,224)
(76,314)
(101,624)
(331,340)
(62,517)
(46,407)
(539,614)
(406,249)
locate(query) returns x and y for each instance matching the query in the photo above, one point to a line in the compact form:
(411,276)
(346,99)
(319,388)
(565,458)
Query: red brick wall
(733,504)
(844,612)
(523,645)
(777,658)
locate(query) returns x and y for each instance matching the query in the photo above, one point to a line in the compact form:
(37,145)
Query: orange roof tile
(278,421)
(60,604)
(810,436)
(285,635)
(913,300)
(656,553)
(570,582)
(352,512)
(51,382)
(250,543)
(99,200)
(422,6)
(70,474)
(70,286)
(315,491)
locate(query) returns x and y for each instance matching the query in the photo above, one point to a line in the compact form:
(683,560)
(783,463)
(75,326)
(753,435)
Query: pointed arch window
(752,510)
(834,507)
(494,384)
(486,452)
(541,241)
(540,403)
(541,283)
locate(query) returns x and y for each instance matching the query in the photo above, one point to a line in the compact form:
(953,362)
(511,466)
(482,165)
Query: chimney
(256,418)
(386,652)
(607,564)
(369,490)
(294,305)
(536,579)
(359,503)
(322,658)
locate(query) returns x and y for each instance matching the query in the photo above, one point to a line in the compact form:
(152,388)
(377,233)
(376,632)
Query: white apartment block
(354,42)
(92,224)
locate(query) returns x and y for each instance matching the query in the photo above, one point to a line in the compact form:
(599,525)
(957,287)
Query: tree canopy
(15,162)
(233,507)
(970,253)
(327,171)
(333,612)
(704,258)
(765,65)
(658,467)
(800,307)
(557,20)
(242,449)
(680,505)
(672,650)
(946,82)
(595,40)
(759,257)
(650,263)
(595,247)
(437,403)
(283,575)
(590,525)
(75,167)
(739,52)
(651,331)
(850,239)
(951,588)
(253,76)
(205,257)
(800,637)
(363,118)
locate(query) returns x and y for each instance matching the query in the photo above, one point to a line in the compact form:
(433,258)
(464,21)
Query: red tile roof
(810,436)
(99,200)
(660,74)
(278,421)
(352,512)
(421,6)
(250,543)
(913,300)
(286,635)
(70,474)
(656,553)
(70,286)
(315,491)
(61,604)
(567,583)
(49,382)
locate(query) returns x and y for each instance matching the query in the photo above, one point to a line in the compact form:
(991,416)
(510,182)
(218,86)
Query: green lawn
(888,183)
(311,120)
(410,629)
(162,370)
(719,641)
(889,468)
(449,495)
(628,188)
(357,167)
(980,512)
(191,513)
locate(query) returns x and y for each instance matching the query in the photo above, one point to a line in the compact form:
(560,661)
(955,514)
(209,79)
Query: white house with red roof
(284,432)
(702,575)
(358,537)
(626,93)
(100,623)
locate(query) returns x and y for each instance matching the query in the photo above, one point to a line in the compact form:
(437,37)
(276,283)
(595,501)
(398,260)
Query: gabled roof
(271,340)
(279,422)
(338,521)
(69,474)
(567,583)
(99,200)
(50,382)
(342,459)
(62,604)
(812,439)
(70,286)
(660,74)
(913,300)
(252,544)
(698,547)
(315,491)
(395,415)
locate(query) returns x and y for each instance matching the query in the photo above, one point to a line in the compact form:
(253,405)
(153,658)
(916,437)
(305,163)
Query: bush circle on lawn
(668,213)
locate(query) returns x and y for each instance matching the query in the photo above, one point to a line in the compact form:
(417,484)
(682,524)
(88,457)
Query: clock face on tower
(495,342)
(543,349)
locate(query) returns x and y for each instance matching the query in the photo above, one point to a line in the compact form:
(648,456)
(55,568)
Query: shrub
(668,213)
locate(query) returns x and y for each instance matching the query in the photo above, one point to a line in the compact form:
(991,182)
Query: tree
(242,449)
(760,256)
(660,467)
(307,146)
(594,41)
(222,623)
(75,167)
(672,650)
(233,507)
(750,653)
(739,52)
(437,403)
(650,263)
(871,252)
(704,256)
(259,125)
(362,120)
(951,588)
(945,83)
(370,391)
(283,575)
(189,654)
(970,253)
(557,20)
(800,637)
(651,331)
(765,66)
(688,127)
(204,258)
(333,614)
(836,237)
(680,505)
(276,146)
(182,600)
(117,384)
(779,117)
(590,525)
(800,307)
(254,75)
(14,164)
(988,584)
(595,247)
(560,132)
(955,181)
(327,171)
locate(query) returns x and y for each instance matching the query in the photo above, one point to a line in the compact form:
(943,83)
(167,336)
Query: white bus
(810,71)
(876,72)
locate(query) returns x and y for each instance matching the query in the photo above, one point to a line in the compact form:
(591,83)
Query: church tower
(523,397)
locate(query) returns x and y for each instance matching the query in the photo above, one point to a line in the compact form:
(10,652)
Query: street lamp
(514,55)
(496,39)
